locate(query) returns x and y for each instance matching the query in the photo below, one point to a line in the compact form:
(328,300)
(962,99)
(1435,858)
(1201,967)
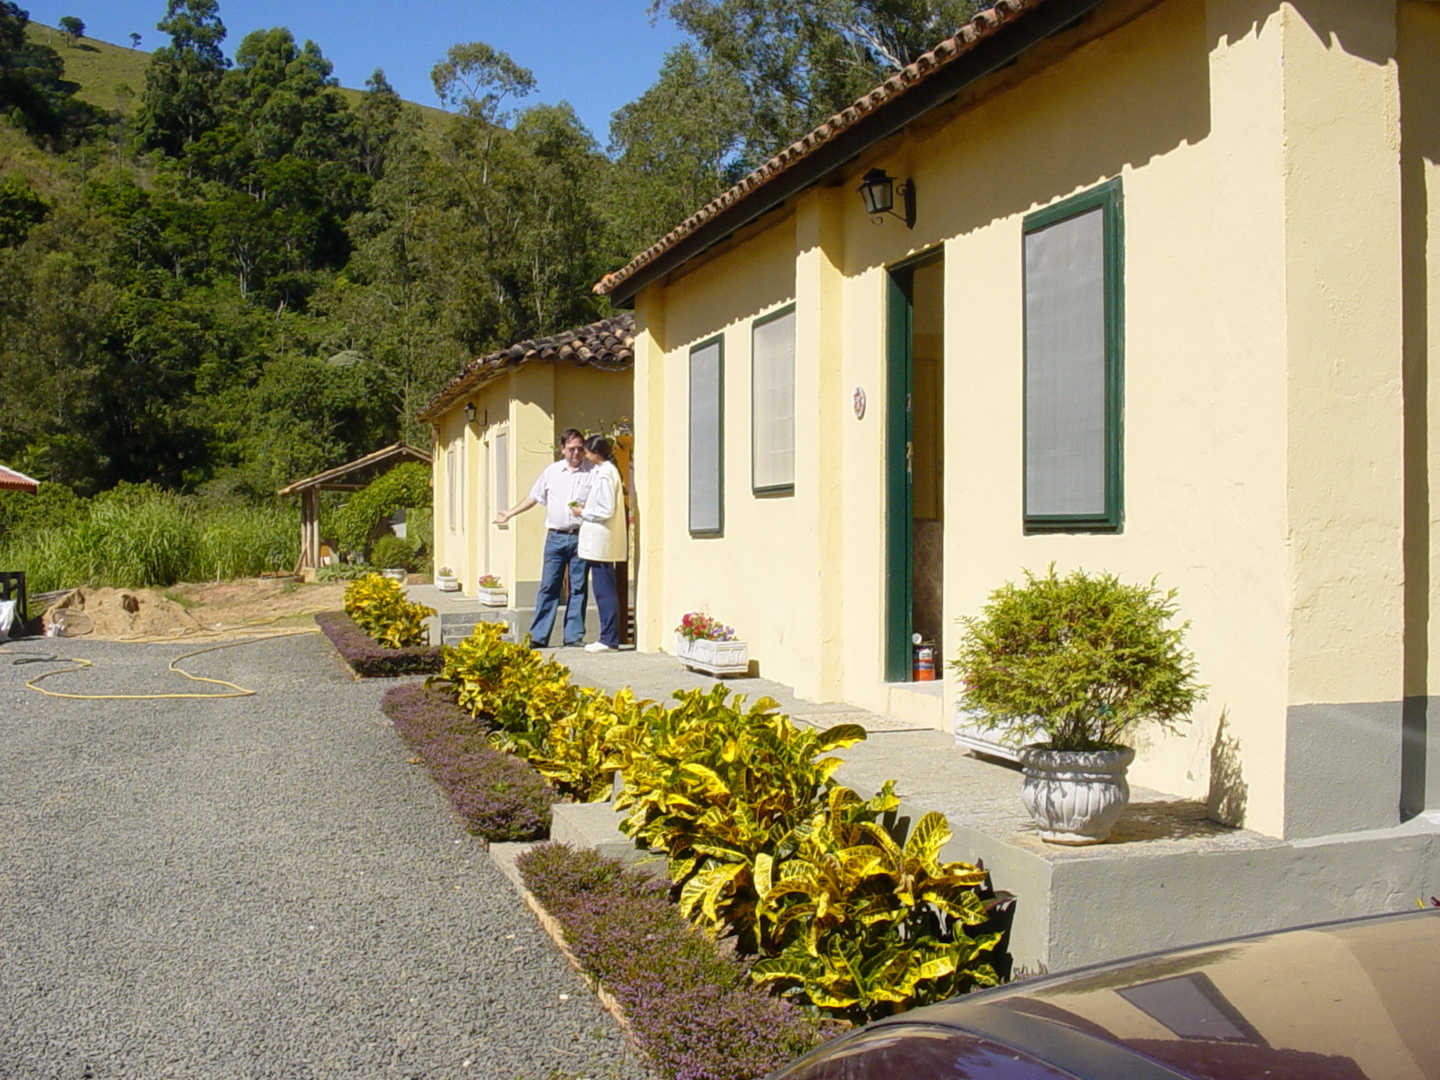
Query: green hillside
(113,76)
(109,76)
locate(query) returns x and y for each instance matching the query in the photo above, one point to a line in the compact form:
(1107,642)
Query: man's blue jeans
(560,553)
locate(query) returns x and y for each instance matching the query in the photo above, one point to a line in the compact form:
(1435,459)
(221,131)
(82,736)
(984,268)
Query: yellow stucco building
(1168,307)
(496,425)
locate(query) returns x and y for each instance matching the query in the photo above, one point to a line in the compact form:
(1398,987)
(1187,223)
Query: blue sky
(598,55)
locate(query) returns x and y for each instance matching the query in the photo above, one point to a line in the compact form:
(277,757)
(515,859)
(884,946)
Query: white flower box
(447,583)
(970,734)
(395,573)
(713,657)
(494,597)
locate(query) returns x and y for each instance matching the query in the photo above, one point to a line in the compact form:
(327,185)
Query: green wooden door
(899,492)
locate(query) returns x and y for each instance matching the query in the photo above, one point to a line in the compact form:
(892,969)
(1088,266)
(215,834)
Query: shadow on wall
(1342,24)
(1419,147)
(1228,791)
(1064,129)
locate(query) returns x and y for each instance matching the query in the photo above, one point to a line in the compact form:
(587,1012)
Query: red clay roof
(925,67)
(608,344)
(10,480)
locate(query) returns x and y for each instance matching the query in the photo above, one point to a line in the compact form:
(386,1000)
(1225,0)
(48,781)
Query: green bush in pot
(1074,662)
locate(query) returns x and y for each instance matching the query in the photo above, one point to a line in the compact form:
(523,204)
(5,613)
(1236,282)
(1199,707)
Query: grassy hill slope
(113,76)
(109,76)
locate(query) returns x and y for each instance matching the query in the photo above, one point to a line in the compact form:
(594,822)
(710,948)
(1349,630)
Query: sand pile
(120,613)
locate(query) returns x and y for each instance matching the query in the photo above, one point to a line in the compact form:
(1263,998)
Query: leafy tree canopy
(802,60)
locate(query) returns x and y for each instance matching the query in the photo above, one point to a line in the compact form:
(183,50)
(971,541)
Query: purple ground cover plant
(692,1009)
(499,796)
(367,657)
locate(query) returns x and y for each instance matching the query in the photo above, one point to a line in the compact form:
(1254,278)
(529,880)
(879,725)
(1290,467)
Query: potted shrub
(445,580)
(394,556)
(492,591)
(1065,668)
(706,644)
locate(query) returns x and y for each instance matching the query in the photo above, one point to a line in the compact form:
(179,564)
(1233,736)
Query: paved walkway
(260,887)
(930,770)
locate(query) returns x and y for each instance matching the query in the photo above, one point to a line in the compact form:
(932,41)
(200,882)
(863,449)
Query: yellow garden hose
(233,692)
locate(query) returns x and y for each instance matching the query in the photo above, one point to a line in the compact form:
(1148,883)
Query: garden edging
(503,856)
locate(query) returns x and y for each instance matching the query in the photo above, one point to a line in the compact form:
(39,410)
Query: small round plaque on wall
(859,400)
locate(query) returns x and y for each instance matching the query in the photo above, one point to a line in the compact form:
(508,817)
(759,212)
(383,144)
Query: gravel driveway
(256,887)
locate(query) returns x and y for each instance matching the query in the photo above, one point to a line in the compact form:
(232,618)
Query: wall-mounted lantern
(469,412)
(877,192)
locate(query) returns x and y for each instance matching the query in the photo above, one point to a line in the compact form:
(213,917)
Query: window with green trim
(1074,346)
(707,438)
(772,402)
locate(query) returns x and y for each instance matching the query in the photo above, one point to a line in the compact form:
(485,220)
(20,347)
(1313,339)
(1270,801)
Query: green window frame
(772,420)
(707,438)
(1074,329)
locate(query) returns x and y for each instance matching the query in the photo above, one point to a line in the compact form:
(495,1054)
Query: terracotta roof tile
(608,344)
(14,480)
(925,66)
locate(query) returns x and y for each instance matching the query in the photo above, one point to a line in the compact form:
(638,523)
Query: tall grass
(139,536)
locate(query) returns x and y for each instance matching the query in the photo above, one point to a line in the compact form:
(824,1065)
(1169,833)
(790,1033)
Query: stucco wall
(1263,418)
(755,594)
(530,406)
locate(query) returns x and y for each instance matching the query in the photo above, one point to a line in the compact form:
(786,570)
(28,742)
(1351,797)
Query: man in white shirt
(562,484)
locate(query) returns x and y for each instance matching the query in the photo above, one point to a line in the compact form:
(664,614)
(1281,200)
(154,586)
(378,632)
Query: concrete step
(597,826)
(918,704)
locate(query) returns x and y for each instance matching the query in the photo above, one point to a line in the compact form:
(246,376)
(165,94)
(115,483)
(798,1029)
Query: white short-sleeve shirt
(556,488)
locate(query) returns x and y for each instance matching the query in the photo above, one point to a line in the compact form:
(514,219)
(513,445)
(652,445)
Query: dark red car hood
(1354,1000)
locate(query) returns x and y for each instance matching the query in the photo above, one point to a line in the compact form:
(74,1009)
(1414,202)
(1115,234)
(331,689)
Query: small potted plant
(1064,668)
(445,580)
(492,591)
(704,643)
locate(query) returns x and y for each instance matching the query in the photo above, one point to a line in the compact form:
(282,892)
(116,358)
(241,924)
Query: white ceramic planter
(447,582)
(395,573)
(713,657)
(1075,796)
(493,597)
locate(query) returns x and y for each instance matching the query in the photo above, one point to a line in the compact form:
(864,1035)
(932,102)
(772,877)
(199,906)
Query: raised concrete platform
(1168,876)
(456,615)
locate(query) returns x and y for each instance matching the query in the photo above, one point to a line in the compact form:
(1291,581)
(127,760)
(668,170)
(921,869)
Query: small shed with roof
(352,476)
(497,424)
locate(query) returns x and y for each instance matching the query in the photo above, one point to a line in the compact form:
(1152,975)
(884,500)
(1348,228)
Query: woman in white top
(602,538)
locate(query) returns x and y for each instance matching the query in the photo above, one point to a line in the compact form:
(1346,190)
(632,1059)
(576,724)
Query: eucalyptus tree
(803,60)
(182,78)
(676,147)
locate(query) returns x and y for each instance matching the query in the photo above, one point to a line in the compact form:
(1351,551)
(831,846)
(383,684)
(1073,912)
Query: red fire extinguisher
(923,666)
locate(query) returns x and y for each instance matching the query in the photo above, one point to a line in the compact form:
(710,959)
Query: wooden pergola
(335,480)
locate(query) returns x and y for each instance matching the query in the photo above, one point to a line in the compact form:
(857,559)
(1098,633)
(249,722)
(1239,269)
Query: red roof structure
(608,345)
(990,40)
(11,480)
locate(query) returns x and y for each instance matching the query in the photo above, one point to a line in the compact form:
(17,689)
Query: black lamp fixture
(877,192)
(469,412)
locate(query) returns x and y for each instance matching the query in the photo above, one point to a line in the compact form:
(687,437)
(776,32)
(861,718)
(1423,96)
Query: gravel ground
(256,887)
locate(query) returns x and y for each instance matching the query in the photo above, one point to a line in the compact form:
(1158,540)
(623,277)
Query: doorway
(915,462)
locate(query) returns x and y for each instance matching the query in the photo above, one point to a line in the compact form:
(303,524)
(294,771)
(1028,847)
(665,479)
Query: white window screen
(452,506)
(502,471)
(460,486)
(706,438)
(1065,368)
(773,402)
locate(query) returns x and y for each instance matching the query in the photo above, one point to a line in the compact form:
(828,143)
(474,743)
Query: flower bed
(692,1010)
(499,796)
(366,657)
